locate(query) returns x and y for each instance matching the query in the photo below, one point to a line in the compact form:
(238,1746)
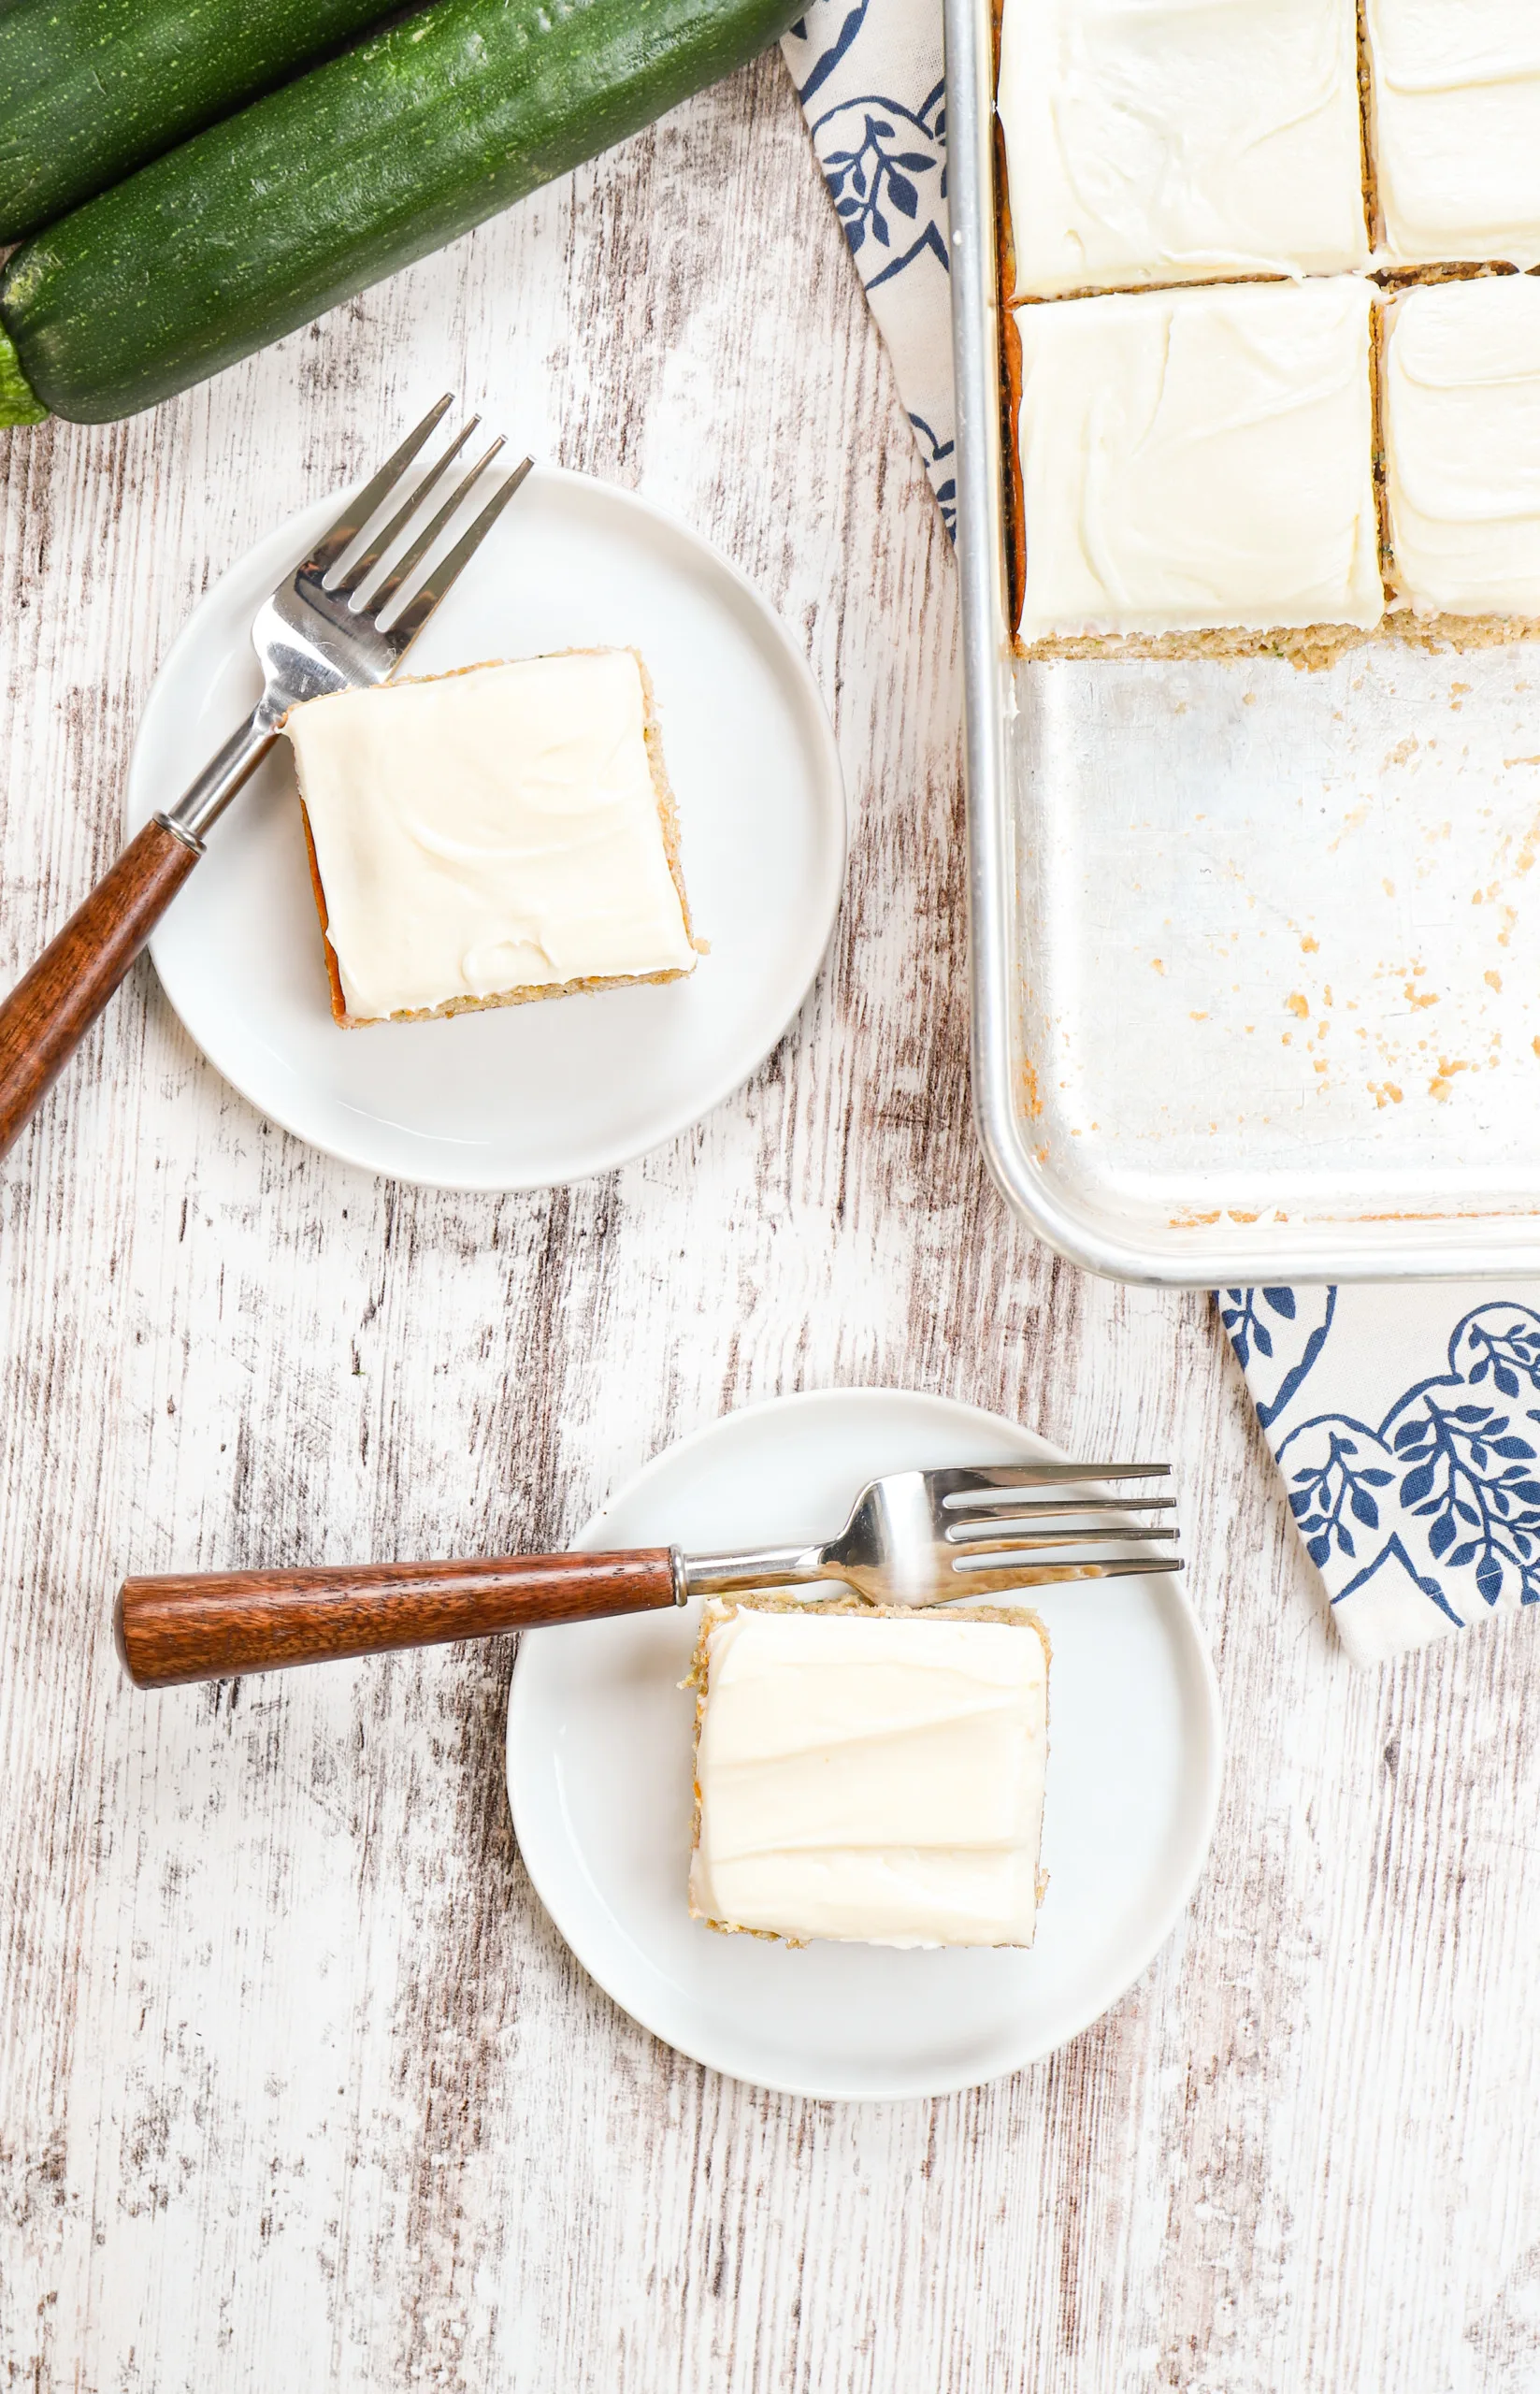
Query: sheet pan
(1254,952)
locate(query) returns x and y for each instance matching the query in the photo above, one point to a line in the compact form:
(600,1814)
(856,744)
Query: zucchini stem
(19,402)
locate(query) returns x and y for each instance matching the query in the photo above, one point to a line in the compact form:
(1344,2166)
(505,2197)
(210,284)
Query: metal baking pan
(1256,952)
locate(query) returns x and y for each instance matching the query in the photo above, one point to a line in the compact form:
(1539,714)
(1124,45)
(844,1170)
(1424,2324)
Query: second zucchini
(91,89)
(370,161)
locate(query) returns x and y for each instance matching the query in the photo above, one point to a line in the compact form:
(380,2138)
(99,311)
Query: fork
(318,632)
(914,1537)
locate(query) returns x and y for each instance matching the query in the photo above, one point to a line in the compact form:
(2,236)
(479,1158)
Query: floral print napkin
(1406,1425)
(870,76)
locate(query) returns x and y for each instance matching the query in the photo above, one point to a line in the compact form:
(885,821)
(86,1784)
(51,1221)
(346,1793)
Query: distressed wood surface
(298,2087)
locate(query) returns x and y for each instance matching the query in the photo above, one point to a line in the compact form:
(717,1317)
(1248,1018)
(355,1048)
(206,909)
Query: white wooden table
(298,2087)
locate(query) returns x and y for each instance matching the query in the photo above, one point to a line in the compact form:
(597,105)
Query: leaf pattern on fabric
(870,82)
(875,179)
(1447,1484)
(1278,1335)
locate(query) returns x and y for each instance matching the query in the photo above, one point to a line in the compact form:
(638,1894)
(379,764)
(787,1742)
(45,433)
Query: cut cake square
(869,1775)
(1462,405)
(1153,141)
(497,835)
(1455,130)
(1200,463)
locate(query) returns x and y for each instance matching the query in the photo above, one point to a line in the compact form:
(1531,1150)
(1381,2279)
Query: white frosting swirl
(873,1780)
(1197,460)
(1456,89)
(1463,446)
(489,830)
(1180,141)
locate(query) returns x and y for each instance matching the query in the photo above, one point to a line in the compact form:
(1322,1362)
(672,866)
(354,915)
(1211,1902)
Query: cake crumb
(1440,1085)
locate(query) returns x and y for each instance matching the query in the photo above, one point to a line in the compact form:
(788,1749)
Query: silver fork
(915,1537)
(336,622)
(930,1537)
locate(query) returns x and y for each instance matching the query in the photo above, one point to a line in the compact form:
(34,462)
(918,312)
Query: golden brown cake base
(1013,1616)
(1439,633)
(1005,274)
(1312,651)
(1366,117)
(1311,648)
(527,993)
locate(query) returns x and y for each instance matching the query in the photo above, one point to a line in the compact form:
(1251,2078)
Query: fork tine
(445,574)
(1046,1575)
(1057,1507)
(1006,1539)
(391,531)
(981,1480)
(341,535)
(409,559)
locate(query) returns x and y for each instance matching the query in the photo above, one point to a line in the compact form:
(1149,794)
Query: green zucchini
(357,168)
(91,89)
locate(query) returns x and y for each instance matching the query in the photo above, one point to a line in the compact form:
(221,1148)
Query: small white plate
(524,1096)
(600,1739)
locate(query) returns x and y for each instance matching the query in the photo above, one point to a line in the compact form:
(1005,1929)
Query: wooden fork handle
(51,1008)
(214,1625)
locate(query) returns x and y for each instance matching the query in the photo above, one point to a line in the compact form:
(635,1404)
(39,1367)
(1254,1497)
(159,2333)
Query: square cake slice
(1160,141)
(1455,130)
(1462,390)
(1200,461)
(488,836)
(869,1775)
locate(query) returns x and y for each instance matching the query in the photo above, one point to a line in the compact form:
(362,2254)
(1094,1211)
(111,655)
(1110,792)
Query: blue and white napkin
(1406,1425)
(1405,1421)
(870,78)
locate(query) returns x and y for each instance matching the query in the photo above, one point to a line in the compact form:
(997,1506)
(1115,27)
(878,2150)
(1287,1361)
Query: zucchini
(357,168)
(91,89)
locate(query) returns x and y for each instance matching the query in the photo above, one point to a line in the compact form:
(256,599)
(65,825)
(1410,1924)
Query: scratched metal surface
(297,2086)
(1281,956)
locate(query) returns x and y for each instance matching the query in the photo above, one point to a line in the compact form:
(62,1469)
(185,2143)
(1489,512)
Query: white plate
(528,1095)
(598,1774)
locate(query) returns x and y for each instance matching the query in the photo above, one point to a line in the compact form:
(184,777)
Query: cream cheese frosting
(1463,446)
(1456,118)
(1196,460)
(870,1779)
(489,830)
(1180,141)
